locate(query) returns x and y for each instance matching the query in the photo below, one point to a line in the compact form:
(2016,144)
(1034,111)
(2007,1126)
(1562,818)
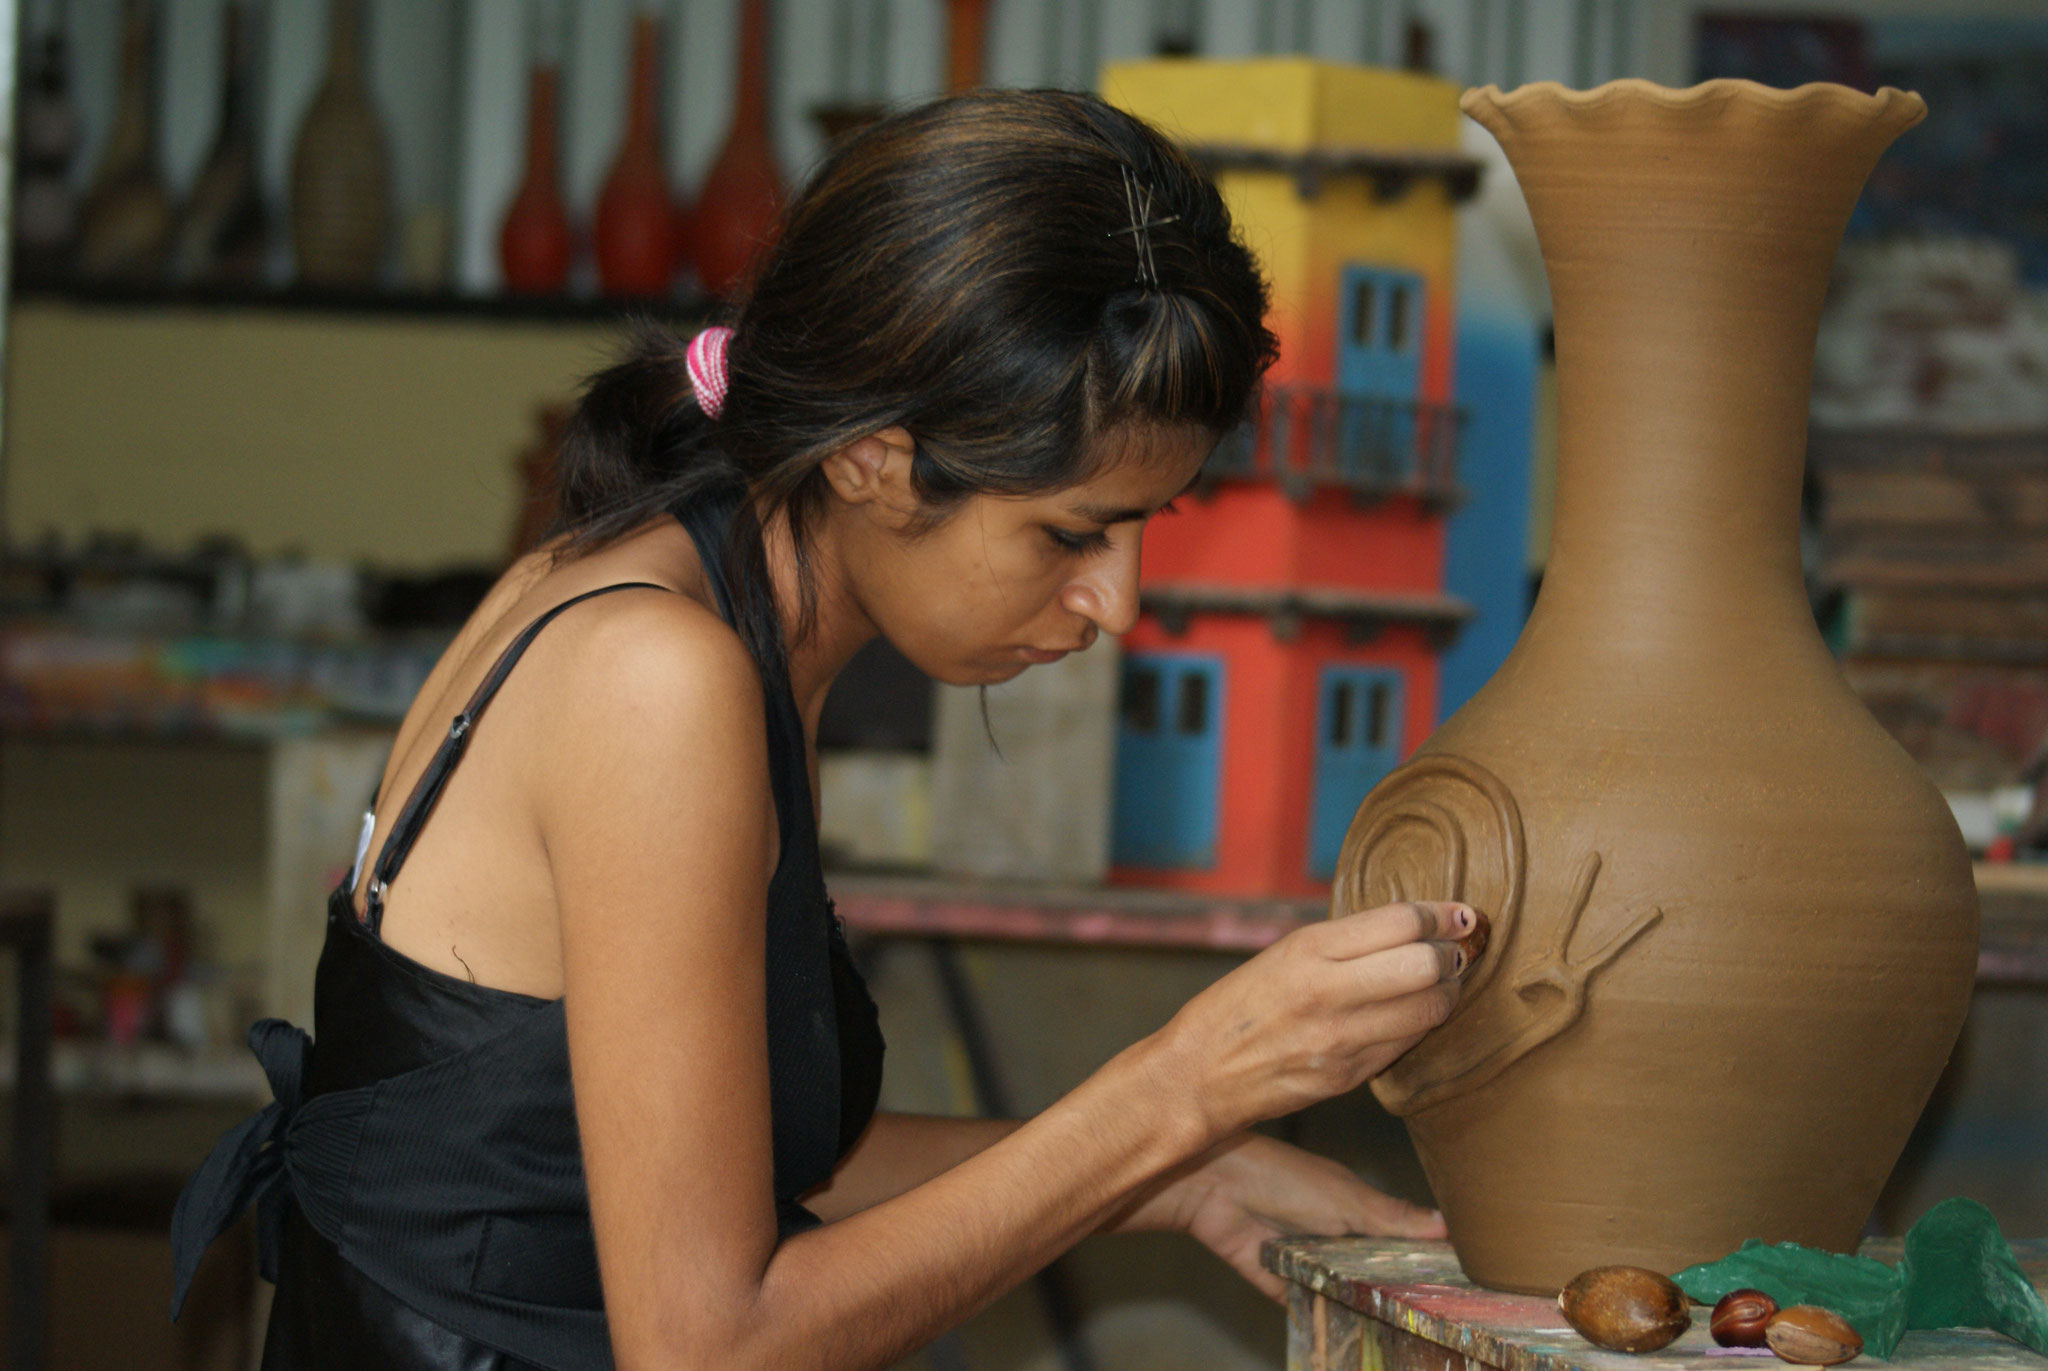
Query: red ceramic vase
(635,226)
(742,198)
(966,43)
(535,243)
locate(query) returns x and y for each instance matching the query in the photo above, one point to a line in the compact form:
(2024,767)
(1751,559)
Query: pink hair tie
(705,361)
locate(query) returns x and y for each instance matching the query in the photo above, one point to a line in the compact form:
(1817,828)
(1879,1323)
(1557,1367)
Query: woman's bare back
(475,898)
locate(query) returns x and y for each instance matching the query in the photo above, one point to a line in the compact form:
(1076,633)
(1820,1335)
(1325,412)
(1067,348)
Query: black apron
(418,1179)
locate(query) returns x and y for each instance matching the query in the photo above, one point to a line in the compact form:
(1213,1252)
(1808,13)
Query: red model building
(1294,608)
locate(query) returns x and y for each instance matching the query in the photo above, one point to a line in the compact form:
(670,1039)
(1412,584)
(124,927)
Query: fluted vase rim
(1887,105)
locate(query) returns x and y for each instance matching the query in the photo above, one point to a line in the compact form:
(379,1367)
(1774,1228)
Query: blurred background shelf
(682,311)
(151,1071)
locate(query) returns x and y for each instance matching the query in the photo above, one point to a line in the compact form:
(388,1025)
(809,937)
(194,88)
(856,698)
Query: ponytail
(637,442)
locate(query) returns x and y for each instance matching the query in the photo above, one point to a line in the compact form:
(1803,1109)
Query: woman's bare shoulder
(657,664)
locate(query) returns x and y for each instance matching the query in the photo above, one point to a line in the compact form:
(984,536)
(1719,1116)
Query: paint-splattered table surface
(1370,1304)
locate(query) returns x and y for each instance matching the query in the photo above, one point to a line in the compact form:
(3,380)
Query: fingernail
(1464,917)
(1458,962)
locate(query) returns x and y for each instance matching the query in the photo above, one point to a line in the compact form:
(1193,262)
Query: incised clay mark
(1445,828)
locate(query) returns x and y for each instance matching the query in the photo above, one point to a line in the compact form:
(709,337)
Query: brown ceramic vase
(1734,930)
(341,169)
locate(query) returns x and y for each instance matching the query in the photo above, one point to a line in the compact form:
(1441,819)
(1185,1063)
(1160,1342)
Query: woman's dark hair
(970,271)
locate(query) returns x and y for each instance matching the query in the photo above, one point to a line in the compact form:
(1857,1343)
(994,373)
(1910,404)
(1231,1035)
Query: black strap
(427,792)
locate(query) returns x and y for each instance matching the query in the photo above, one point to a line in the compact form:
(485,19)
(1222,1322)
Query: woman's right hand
(1324,1009)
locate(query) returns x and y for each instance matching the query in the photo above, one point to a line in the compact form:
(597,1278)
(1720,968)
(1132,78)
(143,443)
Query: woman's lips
(1039,656)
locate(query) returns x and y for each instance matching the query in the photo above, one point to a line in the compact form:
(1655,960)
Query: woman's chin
(981,673)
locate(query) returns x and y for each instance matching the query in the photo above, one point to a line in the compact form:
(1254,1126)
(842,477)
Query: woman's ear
(875,470)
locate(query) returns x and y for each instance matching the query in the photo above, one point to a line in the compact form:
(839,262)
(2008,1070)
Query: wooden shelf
(679,311)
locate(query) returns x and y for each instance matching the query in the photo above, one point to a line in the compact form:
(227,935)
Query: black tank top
(418,1179)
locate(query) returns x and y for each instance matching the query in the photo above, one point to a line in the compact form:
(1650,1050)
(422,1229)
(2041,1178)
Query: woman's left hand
(1251,1188)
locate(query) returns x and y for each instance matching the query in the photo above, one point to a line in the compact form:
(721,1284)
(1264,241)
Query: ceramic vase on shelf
(221,234)
(341,172)
(45,208)
(741,201)
(1734,928)
(966,43)
(535,243)
(127,215)
(634,231)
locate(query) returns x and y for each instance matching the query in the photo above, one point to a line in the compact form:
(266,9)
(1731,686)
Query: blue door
(1168,761)
(1379,362)
(1358,741)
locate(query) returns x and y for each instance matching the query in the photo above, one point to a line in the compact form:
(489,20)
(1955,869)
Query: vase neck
(1688,237)
(750,96)
(541,106)
(234,92)
(344,42)
(642,113)
(131,142)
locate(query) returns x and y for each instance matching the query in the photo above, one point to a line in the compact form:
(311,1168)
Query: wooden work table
(2013,948)
(1405,1306)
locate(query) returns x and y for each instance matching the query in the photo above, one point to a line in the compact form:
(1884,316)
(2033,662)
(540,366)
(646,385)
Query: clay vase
(741,202)
(220,234)
(535,243)
(1734,929)
(45,209)
(341,170)
(127,216)
(635,228)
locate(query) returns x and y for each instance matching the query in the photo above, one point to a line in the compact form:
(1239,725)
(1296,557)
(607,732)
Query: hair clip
(1141,226)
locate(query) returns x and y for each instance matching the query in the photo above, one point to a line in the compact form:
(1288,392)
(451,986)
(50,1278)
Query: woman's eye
(1067,540)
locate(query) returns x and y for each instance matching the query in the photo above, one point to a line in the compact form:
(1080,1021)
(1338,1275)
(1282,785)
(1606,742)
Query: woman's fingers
(1376,930)
(1389,1027)
(1382,1216)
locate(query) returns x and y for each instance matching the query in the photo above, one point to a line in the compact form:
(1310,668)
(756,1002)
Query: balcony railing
(1309,438)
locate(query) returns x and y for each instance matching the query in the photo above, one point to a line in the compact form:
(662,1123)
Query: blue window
(1379,371)
(1168,761)
(1358,741)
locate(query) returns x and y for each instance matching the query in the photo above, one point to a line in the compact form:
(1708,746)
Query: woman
(996,335)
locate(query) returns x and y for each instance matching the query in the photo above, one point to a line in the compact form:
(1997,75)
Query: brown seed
(1740,1316)
(1625,1308)
(1812,1336)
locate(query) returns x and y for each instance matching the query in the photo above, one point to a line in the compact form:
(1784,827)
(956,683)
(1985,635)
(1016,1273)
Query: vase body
(741,201)
(220,235)
(127,216)
(635,228)
(535,243)
(341,171)
(1734,925)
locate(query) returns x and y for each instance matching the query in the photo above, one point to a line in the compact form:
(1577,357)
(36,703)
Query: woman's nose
(1107,593)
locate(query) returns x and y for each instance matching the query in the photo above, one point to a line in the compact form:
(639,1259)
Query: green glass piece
(1959,1273)
(1866,1292)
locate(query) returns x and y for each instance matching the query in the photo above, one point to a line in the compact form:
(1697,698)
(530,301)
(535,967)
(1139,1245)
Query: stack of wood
(1939,541)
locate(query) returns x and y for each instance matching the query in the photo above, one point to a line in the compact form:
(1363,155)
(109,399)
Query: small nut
(1812,1336)
(1740,1316)
(1625,1308)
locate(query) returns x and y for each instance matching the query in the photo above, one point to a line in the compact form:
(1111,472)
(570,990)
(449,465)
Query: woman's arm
(654,808)
(898,1152)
